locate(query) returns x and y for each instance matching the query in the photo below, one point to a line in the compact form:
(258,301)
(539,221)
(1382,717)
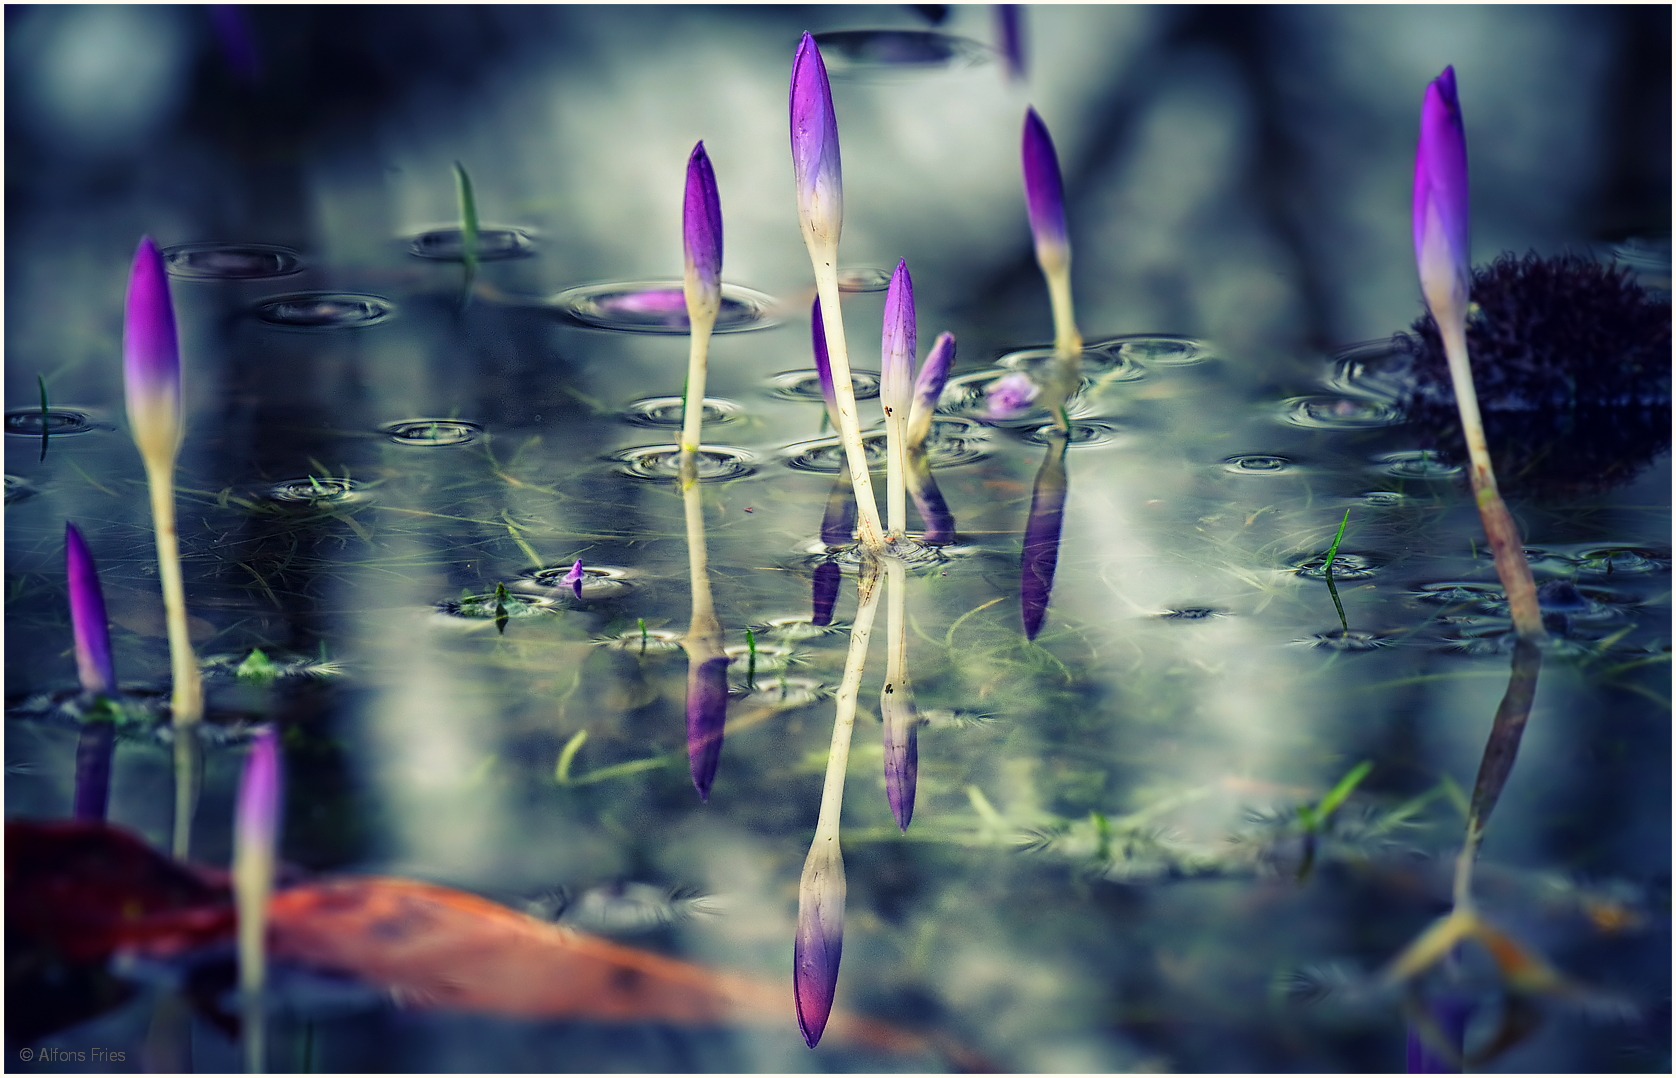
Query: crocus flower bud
(575,577)
(898,344)
(814,148)
(87,615)
(1441,201)
(701,236)
(1044,193)
(820,936)
(151,358)
(1011,395)
(928,388)
(706,718)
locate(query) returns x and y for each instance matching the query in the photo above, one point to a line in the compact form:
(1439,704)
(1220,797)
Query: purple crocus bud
(901,742)
(1440,201)
(1012,38)
(256,816)
(87,615)
(706,717)
(838,522)
(701,235)
(928,388)
(1041,537)
(1010,395)
(825,592)
(898,344)
(1044,192)
(820,936)
(814,147)
(575,577)
(1451,1012)
(823,363)
(151,359)
(928,499)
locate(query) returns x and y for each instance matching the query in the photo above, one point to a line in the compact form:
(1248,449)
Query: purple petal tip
(706,719)
(1044,188)
(88,620)
(701,225)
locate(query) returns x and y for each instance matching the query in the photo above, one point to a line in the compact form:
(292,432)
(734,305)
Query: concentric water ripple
(598,582)
(1083,433)
(951,442)
(1340,413)
(861,52)
(1347,640)
(54,422)
(432,432)
(1107,364)
(660,307)
(325,310)
(1382,499)
(644,641)
(793,627)
(806,385)
(1346,566)
(786,692)
(663,462)
(863,279)
(231,261)
(1613,560)
(670,411)
(1156,351)
(769,656)
(493,244)
(1259,464)
(311,492)
(1192,613)
(490,606)
(1374,368)
(918,556)
(968,395)
(1415,464)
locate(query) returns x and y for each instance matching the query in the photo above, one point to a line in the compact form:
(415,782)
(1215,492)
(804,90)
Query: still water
(1106,868)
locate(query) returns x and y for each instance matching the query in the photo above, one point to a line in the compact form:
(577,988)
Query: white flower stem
(868,527)
(187,702)
(838,757)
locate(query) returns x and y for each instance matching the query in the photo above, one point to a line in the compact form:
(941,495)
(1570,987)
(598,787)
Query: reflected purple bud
(928,499)
(1441,197)
(814,146)
(1044,190)
(823,363)
(87,615)
(898,343)
(1451,1012)
(838,523)
(151,356)
(257,813)
(928,388)
(706,717)
(820,937)
(93,770)
(901,739)
(238,45)
(1041,539)
(701,232)
(825,592)
(574,578)
(1010,395)
(1007,18)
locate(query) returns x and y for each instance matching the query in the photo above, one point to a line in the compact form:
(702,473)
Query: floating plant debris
(1415,464)
(661,307)
(493,244)
(231,261)
(1345,566)
(667,411)
(794,627)
(1259,464)
(598,581)
(850,52)
(806,385)
(55,422)
(432,432)
(1340,413)
(715,463)
(627,907)
(315,492)
(326,310)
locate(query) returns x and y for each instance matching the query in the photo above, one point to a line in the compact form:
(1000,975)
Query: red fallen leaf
(90,889)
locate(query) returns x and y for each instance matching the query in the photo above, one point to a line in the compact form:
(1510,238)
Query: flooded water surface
(433,530)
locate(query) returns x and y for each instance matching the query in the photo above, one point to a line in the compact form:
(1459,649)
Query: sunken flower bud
(87,615)
(1440,201)
(256,819)
(151,358)
(820,936)
(701,236)
(814,148)
(898,344)
(1011,395)
(706,718)
(1044,192)
(575,577)
(928,388)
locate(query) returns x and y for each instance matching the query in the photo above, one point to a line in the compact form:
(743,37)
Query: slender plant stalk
(187,702)
(692,417)
(837,762)
(468,230)
(896,701)
(868,527)
(1506,547)
(1067,339)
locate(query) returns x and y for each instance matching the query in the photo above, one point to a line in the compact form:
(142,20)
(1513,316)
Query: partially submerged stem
(1067,340)
(1505,545)
(869,530)
(706,660)
(832,793)
(187,702)
(896,702)
(692,418)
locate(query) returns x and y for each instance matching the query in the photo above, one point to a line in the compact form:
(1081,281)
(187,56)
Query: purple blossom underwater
(706,718)
(819,944)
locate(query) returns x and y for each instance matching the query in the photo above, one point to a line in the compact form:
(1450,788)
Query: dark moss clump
(1571,360)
